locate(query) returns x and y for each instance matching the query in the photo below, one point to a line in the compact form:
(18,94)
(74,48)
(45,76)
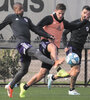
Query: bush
(9,63)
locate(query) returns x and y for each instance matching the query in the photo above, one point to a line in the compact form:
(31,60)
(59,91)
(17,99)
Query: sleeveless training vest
(55,29)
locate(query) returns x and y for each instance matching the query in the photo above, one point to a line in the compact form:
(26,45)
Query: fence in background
(8,68)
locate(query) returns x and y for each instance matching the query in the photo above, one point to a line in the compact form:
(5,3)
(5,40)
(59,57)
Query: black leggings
(36,53)
(24,69)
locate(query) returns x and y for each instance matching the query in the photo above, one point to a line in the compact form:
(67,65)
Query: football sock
(72,89)
(59,68)
(26,86)
(53,78)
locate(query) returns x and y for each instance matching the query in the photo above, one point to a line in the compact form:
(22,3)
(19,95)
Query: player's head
(85,14)
(60,10)
(18,8)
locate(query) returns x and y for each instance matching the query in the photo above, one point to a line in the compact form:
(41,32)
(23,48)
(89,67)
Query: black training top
(78,36)
(21,26)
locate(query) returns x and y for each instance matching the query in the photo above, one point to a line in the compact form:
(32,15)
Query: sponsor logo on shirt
(16,19)
(87,29)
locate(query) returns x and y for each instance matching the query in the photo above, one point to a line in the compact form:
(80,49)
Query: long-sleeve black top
(78,36)
(21,27)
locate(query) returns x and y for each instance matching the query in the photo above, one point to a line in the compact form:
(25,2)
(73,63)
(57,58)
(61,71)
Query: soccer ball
(72,59)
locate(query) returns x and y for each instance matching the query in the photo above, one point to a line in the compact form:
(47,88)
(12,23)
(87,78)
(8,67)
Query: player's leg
(36,53)
(50,50)
(53,51)
(27,49)
(24,69)
(37,77)
(75,70)
(61,74)
(73,73)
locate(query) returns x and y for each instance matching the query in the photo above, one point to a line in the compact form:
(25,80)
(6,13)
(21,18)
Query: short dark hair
(18,3)
(60,6)
(15,4)
(86,7)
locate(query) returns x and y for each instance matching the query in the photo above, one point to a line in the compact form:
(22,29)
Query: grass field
(42,93)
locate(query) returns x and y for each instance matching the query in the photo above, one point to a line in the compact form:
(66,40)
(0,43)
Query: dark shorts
(43,48)
(73,49)
(22,50)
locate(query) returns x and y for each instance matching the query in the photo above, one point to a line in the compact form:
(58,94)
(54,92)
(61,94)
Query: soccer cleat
(9,90)
(22,91)
(62,73)
(58,62)
(73,92)
(50,81)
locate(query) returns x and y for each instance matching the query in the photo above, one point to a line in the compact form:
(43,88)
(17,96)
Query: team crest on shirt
(17,19)
(87,29)
(26,19)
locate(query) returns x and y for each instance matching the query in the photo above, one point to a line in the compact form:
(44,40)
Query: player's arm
(89,27)
(45,21)
(74,26)
(38,30)
(6,21)
(64,39)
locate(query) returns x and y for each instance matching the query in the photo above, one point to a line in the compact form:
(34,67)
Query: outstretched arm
(73,25)
(6,21)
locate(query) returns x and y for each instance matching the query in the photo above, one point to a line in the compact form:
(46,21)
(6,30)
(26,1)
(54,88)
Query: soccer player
(20,26)
(76,44)
(54,24)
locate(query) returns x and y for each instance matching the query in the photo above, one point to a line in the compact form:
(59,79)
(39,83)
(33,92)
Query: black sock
(59,68)
(26,87)
(53,78)
(72,89)
(11,87)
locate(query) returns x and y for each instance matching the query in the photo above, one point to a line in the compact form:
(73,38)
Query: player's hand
(52,37)
(88,51)
(66,49)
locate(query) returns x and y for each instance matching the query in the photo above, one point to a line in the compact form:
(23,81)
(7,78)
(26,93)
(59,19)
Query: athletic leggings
(20,73)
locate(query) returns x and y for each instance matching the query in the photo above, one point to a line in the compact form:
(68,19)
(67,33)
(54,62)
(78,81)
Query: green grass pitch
(42,93)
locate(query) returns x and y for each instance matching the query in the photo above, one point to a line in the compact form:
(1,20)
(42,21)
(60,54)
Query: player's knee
(75,73)
(43,75)
(77,70)
(31,51)
(24,71)
(40,76)
(51,47)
